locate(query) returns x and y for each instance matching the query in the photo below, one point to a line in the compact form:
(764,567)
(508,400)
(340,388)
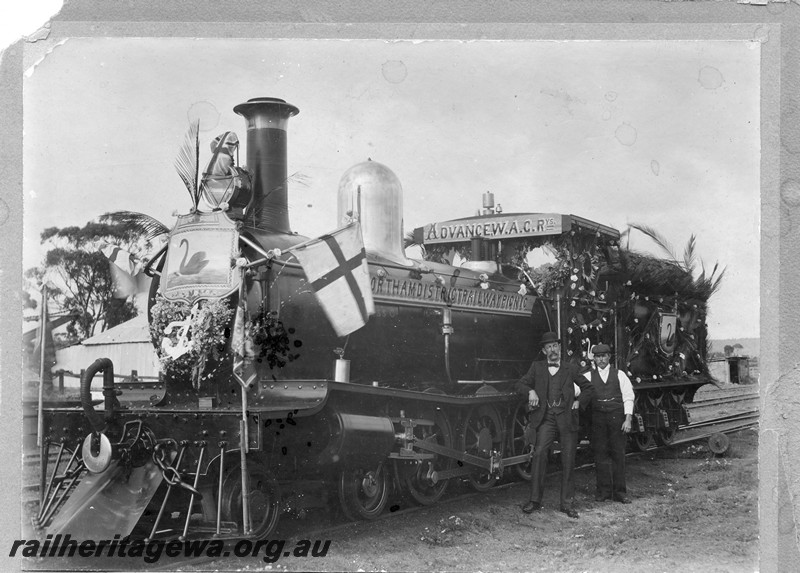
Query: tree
(85,287)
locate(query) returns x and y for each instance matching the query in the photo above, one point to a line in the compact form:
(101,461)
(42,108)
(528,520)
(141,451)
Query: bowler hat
(549,337)
(601,349)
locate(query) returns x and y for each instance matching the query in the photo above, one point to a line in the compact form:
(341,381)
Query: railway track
(710,407)
(726,401)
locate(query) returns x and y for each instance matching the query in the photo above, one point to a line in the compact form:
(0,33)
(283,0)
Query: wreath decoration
(187,337)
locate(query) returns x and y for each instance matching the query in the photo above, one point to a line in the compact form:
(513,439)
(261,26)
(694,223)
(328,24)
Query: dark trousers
(555,425)
(608,445)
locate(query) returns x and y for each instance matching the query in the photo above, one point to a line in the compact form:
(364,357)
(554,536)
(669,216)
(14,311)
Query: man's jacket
(537,377)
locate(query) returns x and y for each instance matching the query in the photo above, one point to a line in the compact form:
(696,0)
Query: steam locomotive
(264,408)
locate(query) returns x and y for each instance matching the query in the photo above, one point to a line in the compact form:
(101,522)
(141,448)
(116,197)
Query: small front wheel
(363,493)
(264,498)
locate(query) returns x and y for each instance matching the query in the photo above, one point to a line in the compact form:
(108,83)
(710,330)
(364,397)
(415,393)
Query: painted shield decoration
(667,325)
(200,258)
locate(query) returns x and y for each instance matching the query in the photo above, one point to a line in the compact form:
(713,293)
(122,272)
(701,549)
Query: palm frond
(657,238)
(188,160)
(653,275)
(711,283)
(257,211)
(689,254)
(627,234)
(149,227)
(299,178)
(408,239)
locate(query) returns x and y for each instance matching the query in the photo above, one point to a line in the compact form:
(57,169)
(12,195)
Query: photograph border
(774,24)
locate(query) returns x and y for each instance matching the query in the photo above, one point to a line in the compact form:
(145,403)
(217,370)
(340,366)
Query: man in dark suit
(550,387)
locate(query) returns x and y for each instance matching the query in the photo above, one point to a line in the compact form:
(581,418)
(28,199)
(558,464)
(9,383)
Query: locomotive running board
(105,504)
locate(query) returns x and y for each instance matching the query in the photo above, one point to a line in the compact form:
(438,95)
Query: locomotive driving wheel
(264,495)
(414,475)
(363,493)
(518,442)
(482,433)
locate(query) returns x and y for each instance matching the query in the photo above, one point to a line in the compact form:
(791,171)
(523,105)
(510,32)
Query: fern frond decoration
(188,162)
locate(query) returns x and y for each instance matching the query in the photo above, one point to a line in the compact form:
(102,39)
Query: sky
(663,133)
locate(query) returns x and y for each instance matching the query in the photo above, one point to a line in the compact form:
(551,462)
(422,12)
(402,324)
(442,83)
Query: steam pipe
(447,330)
(266,119)
(109,393)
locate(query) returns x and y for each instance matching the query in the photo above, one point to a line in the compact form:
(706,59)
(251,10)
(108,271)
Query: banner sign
(494,227)
(388,290)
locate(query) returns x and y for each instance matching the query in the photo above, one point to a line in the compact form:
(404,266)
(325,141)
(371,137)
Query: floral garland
(574,276)
(655,286)
(272,339)
(438,253)
(187,337)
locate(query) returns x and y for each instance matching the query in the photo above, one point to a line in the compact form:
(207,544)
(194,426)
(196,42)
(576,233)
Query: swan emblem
(195,264)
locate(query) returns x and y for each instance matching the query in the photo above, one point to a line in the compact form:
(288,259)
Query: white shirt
(625,387)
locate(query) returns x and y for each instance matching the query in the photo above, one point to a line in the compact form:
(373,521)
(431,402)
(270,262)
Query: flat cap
(601,349)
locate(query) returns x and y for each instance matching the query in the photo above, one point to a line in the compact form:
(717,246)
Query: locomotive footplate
(493,397)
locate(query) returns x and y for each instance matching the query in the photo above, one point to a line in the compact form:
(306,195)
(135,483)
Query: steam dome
(373,192)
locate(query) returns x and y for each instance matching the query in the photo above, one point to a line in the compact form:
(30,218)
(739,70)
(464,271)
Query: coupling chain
(168,472)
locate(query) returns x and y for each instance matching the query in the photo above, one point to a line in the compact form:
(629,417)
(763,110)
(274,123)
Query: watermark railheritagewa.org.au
(150,552)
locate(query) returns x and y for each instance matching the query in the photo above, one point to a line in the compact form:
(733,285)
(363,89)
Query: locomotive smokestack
(266,161)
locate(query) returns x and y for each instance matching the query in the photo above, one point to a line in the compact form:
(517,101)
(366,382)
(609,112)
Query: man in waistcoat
(550,387)
(612,413)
